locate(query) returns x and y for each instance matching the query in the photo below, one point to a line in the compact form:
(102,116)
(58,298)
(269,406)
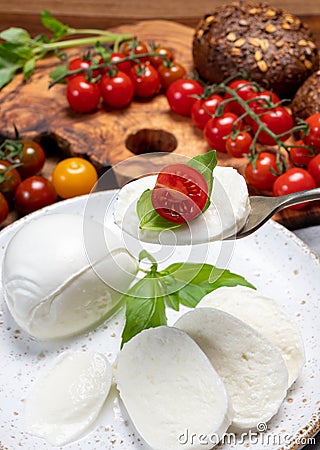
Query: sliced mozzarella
(227,213)
(58,278)
(68,399)
(266,316)
(251,367)
(171,391)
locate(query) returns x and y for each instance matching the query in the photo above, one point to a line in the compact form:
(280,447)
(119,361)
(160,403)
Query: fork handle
(298,197)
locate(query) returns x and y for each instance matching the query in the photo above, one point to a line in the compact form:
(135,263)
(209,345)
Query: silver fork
(263,208)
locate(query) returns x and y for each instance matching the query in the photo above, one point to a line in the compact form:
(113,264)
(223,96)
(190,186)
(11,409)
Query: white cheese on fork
(171,391)
(251,367)
(227,213)
(266,316)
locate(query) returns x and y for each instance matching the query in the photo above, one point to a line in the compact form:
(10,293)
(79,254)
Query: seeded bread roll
(307,99)
(274,47)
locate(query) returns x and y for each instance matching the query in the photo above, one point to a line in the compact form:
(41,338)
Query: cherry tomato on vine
(243,88)
(32,159)
(123,66)
(279,121)
(74,176)
(81,63)
(180,193)
(263,173)
(300,155)
(145,78)
(83,96)
(181,95)
(313,137)
(170,72)
(218,129)
(162,54)
(34,193)
(259,102)
(4,208)
(117,90)
(203,109)
(293,180)
(314,168)
(239,145)
(9,179)
(135,48)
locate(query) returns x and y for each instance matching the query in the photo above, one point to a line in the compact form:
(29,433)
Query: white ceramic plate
(273,259)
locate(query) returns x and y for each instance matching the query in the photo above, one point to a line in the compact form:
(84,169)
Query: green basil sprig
(150,219)
(179,284)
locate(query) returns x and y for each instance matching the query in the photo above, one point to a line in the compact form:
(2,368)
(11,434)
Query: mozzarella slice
(61,277)
(68,399)
(171,391)
(227,213)
(251,367)
(266,316)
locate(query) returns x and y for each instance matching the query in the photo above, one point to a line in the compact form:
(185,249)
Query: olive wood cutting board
(107,137)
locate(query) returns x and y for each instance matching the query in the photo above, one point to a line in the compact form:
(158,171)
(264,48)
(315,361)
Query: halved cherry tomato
(300,155)
(314,168)
(181,95)
(34,193)
(9,179)
(313,137)
(4,208)
(294,180)
(180,193)
(74,176)
(240,145)
(83,96)
(117,91)
(203,109)
(162,54)
(170,72)
(218,129)
(263,173)
(146,81)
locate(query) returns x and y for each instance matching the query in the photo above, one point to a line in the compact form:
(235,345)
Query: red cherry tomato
(203,109)
(218,129)
(161,54)
(81,63)
(170,72)
(314,168)
(277,120)
(181,95)
(240,145)
(34,193)
(9,180)
(243,88)
(313,137)
(180,193)
(300,155)
(124,66)
(4,208)
(146,81)
(117,91)
(83,96)
(262,174)
(135,48)
(32,159)
(293,180)
(259,102)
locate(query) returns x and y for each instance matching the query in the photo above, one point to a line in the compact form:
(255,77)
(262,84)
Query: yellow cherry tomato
(74,176)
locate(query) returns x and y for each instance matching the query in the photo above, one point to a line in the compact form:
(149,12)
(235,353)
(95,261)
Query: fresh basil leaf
(145,307)
(149,218)
(205,165)
(15,53)
(191,295)
(59,72)
(7,74)
(15,35)
(58,28)
(28,68)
